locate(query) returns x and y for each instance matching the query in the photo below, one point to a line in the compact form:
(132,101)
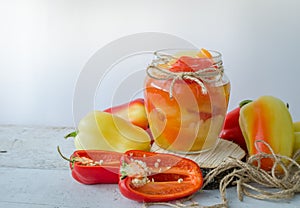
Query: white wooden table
(32,175)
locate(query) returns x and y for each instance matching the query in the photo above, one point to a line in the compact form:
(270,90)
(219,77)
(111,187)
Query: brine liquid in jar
(186,98)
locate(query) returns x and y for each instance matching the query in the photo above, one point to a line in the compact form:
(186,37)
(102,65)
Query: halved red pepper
(95,166)
(156,177)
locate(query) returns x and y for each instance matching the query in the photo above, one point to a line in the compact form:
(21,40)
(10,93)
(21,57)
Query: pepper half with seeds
(157,177)
(94,166)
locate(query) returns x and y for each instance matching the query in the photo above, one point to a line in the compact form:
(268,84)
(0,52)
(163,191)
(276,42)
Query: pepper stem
(244,102)
(64,157)
(72,134)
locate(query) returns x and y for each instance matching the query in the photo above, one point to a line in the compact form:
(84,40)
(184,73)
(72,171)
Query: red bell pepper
(133,111)
(94,166)
(156,177)
(231,129)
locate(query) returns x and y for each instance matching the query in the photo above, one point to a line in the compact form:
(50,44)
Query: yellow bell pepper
(104,131)
(297,126)
(297,138)
(267,119)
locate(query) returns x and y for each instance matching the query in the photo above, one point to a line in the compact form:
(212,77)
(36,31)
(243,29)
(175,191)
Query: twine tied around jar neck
(211,74)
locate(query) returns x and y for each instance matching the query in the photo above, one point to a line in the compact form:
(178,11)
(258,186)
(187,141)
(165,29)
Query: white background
(44,45)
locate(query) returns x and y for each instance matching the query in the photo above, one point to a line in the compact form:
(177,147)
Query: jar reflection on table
(190,120)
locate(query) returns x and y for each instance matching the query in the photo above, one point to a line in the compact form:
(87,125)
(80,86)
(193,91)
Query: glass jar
(186,98)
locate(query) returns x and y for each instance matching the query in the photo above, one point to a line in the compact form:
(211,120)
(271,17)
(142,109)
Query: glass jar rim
(164,52)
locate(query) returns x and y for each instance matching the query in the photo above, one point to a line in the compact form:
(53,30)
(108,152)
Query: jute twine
(159,69)
(251,180)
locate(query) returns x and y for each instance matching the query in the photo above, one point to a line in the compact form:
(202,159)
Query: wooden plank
(24,188)
(32,175)
(55,188)
(34,147)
